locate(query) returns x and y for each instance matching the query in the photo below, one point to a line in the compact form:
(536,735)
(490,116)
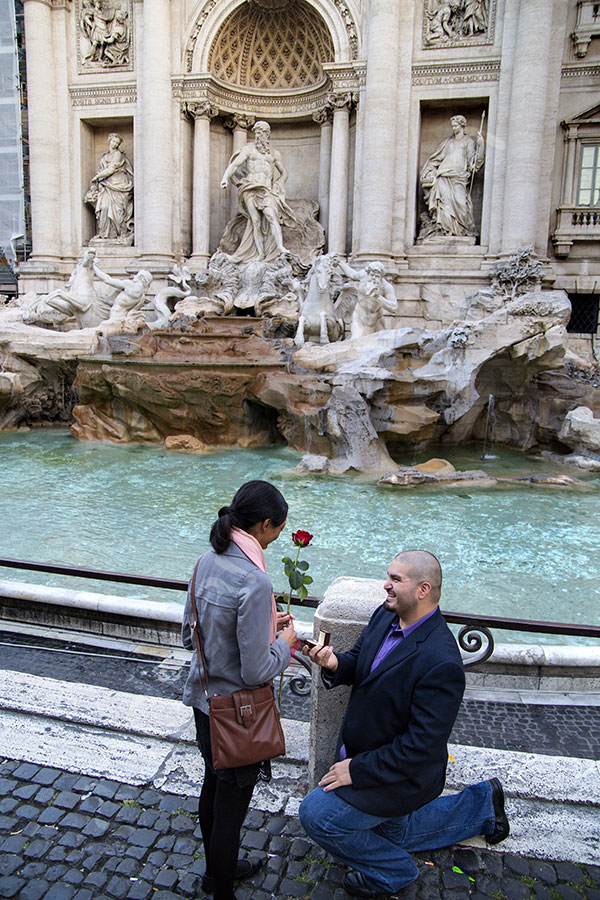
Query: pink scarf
(252,549)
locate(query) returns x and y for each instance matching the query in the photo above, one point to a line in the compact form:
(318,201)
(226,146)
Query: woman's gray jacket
(233,599)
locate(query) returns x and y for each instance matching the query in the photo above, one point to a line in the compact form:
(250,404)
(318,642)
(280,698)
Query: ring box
(324,637)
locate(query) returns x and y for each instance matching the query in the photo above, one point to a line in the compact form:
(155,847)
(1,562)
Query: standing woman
(238,622)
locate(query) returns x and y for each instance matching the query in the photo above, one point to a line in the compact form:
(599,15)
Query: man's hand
(338,776)
(322,656)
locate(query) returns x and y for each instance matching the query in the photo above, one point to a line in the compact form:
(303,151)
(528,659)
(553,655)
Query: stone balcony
(575,223)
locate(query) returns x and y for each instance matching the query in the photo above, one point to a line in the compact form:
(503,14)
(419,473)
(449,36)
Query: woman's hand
(283,618)
(289,635)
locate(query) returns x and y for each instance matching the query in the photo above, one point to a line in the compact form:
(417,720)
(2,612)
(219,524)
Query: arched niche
(210,16)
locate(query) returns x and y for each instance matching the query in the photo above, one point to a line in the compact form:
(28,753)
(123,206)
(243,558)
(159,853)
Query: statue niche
(446,180)
(111,195)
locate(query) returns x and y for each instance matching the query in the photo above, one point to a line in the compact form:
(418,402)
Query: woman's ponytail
(254,502)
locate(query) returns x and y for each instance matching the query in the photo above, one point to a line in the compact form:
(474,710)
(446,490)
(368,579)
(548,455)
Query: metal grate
(584,314)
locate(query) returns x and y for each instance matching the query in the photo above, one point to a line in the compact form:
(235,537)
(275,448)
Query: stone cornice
(230,100)
(579,71)
(104,95)
(456,73)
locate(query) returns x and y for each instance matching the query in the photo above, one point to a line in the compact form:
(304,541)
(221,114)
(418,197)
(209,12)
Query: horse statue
(318,316)
(77,305)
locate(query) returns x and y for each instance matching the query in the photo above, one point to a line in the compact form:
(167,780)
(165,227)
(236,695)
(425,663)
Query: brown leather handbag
(244,726)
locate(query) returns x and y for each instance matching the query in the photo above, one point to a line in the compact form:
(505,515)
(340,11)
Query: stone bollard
(345,610)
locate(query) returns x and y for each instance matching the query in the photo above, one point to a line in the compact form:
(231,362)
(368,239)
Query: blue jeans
(380,847)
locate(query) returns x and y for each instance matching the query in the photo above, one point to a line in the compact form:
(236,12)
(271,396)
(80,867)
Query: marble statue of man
(111,192)
(130,294)
(447,178)
(375,296)
(259,176)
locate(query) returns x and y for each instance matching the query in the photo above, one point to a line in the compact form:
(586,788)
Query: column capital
(342,99)
(204,109)
(240,120)
(322,116)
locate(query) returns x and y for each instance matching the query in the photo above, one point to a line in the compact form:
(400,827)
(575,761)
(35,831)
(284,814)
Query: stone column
(569,167)
(239,125)
(44,148)
(379,131)
(323,118)
(525,137)
(157,126)
(202,113)
(338,179)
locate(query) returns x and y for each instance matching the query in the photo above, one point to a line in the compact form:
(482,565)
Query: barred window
(584,314)
(588,193)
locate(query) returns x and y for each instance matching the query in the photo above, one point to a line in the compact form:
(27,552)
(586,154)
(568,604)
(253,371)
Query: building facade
(359,95)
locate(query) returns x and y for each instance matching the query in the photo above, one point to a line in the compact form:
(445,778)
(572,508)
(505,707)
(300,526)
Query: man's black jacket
(399,718)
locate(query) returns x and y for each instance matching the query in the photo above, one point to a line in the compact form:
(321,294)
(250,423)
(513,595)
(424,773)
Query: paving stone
(31,829)
(26,771)
(452,879)
(26,811)
(166,895)
(66,799)
(166,878)
(25,791)
(65,781)
(50,815)
(106,788)
(13,844)
(128,814)
(118,887)
(298,849)
(74,820)
(111,865)
(542,892)
(189,885)
(295,868)
(255,840)
(37,849)
(129,867)
(7,786)
(179,860)
(147,818)
(34,889)
(566,891)
(170,802)
(431,892)
(291,888)
(127,792)
(55,873)
(140,890)
(108,809)
(543,871)
(158,858)
(57,854)
(136,852)
(75,857)
(143,837)
(85,784)
(163,824)
(275,863)
(90,804)
(97,879)
(487,885)
(149,797)
(593,894)
(44,794)
(7,804)
(46,776)
(60,892)
(594,873)
(519,865)
(84,894)
(10,885)
(169,842)
(149,872)
(568,871)
(182,823)
(9,863)
(269,882)
(33,869)
(71,838)
(73,876)
(514,890)
(276,825)
(96,828)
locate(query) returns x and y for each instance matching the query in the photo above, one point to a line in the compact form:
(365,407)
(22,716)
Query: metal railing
(474,636)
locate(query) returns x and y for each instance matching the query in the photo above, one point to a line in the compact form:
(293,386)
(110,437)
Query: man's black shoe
(358,885)
(245,868)
(501,828)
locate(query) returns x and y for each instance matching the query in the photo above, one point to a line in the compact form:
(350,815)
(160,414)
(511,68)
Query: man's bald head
(423,567)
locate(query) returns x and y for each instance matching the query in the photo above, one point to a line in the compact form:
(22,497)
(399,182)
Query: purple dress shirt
(395,635)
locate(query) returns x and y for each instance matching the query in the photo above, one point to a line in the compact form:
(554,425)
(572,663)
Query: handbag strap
(196,632)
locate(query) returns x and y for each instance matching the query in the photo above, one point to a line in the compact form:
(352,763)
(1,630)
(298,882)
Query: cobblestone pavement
(72,837)
(552,730)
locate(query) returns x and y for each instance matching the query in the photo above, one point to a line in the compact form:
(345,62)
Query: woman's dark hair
(254,502)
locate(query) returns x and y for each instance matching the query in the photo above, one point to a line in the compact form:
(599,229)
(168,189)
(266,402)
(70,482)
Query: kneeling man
(381,800)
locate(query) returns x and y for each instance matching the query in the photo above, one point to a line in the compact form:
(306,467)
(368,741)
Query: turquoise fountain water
(515,551)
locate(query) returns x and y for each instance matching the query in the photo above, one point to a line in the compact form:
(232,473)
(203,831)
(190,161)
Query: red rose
(302,538)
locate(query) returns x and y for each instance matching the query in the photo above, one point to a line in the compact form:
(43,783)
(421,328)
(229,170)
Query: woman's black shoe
(245,868)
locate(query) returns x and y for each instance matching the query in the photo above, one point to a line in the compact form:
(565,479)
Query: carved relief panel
(449,23)
(104,35)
